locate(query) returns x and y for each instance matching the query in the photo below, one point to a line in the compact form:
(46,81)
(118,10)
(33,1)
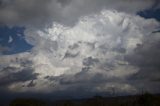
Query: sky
(79,48)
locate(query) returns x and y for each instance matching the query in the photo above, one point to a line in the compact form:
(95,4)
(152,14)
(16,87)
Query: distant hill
(136,100)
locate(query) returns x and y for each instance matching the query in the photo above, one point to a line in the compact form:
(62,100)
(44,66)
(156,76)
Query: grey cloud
(20,76)
(146,57)
(91,83)
(103,49)
(148,52)
(89,61)
(156,4)
(21,60)
(79,77)
(92,45)
(85,76)
(70,55)
(31,84)
(64,2)
(74,46)
(120,50)
(8,69)
(50,78)
(84,70)
(26,63)
(107,66)
(47,44)
(16,68)
(40,13)
(27,12)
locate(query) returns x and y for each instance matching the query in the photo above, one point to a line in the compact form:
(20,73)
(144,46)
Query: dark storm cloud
(89,61)
(146,57)
(83,78)
(10,76)
(87,84)
(41,12)
(31,84)
(156,4)
(80,77)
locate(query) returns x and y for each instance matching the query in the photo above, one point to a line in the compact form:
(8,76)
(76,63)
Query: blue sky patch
(150,13)
(13,38)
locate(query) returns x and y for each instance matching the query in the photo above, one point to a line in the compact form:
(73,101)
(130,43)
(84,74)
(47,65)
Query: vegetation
(137,100)
(27,102)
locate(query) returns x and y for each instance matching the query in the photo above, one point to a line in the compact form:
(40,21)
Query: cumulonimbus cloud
(88,55)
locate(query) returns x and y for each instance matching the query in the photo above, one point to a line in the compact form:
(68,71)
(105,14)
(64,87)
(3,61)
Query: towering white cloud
(87,55)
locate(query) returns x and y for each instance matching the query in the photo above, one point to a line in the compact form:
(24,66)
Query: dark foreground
(137,100)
